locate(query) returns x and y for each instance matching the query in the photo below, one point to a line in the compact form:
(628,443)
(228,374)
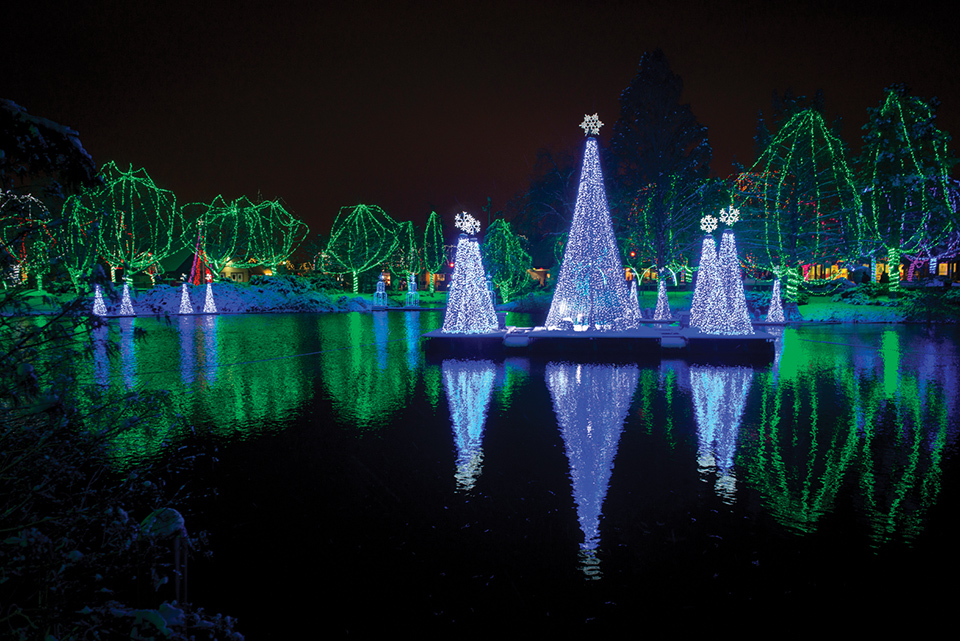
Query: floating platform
(633,345)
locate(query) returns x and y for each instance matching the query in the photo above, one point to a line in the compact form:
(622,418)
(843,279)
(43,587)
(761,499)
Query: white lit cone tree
(707,277)
(469,308)
(726,307)
(775,314)
(590,289)
(662,312)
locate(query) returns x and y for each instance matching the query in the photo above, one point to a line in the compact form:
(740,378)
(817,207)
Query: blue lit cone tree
(726,308)
(707,276)
(590,289)
(469,308)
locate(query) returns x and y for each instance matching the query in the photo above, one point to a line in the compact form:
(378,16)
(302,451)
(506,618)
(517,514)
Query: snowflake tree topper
(591,125)
(708,223)
(467,223)
(729,216)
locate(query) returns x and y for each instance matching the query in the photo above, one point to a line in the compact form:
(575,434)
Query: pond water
(364,489)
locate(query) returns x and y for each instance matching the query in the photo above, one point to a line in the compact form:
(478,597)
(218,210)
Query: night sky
(432,105)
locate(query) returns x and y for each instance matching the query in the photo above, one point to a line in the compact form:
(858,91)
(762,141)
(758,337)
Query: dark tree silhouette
(661,157)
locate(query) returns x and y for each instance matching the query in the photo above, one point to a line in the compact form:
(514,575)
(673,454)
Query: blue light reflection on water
(849,425)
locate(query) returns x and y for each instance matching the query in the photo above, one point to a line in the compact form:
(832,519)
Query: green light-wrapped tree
(506,259)
(362,237)
(406,258)
(269,233)
(434,255)
(138,224)
(906,169)
(27,244)
(799,203)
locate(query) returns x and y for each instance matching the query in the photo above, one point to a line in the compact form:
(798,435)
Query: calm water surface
(363,489)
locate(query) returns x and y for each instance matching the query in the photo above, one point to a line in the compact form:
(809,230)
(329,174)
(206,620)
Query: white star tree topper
(467,223)
(729,216)
(591,125)
(708,223)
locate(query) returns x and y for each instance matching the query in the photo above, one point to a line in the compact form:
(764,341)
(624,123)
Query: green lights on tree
(138,223)
(434,255)
(799,202)
(506,259)
(363,237)
(906,195)
(272,233)
(27,245)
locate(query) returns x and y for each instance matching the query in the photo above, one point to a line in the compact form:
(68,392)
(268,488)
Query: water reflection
(469,385)
(591,403)
(719,397)
(128,350)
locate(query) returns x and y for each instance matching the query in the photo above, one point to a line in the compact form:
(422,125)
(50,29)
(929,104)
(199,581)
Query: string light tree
(469,308)
(707,274)
(775,313)
(590,292)
(727,307)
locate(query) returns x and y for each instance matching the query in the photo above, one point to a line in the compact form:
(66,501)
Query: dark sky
(435,105)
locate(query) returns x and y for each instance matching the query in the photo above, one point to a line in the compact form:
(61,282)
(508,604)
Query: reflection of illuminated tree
(719,397)
(469,385)
(591,403)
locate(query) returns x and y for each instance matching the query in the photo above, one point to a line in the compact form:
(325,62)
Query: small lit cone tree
(775,313)
(362,238)
(27,243)
(799,202)
(662,312)
(726,311)
(469,308)
(270,234)
(590,290)
(140,224)
(434,255)
(707,279)
(905,159)
(507,259)
(632,313)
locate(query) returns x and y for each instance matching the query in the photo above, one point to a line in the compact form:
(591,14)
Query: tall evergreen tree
(433,250)
(661,156)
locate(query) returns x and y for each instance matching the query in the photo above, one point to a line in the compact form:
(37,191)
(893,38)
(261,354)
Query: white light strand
(469,309)
(591,291)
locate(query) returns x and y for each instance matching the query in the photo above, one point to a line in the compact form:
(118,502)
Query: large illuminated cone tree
(799,203)
(506,258)
(362,238)
(906,165)
(138,223)
(434,255)
(662,312)
(469,308)
(591,288)
(726,310)
(707,280)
